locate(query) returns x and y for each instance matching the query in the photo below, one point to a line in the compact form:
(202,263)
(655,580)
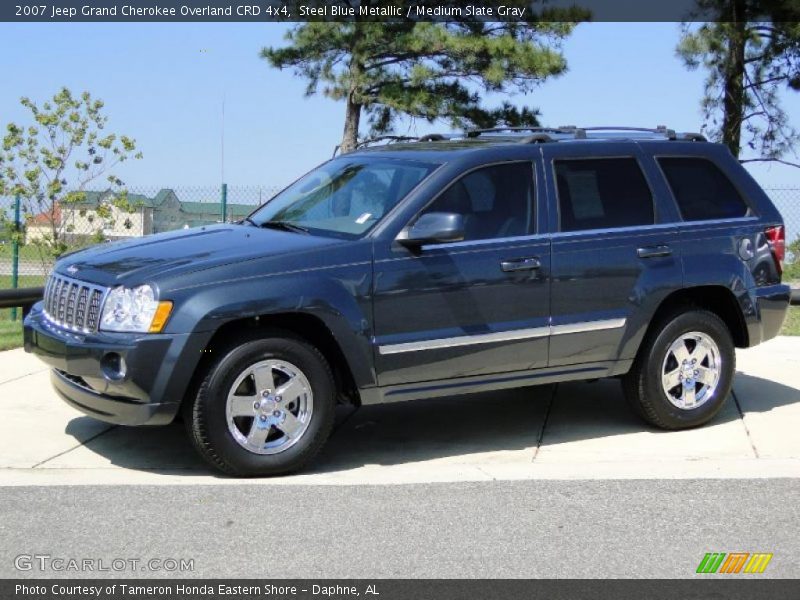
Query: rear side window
(702,191)
(602,193)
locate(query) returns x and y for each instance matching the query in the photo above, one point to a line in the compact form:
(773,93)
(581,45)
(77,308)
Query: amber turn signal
(161,316)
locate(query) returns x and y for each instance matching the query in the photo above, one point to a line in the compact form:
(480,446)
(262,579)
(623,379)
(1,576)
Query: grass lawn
(10,332)
(23,281)
(792,324)
(27,253)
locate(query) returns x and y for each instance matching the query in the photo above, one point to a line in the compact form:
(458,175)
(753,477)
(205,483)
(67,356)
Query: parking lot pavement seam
(550,403)
(75,447)
(744,423)
(23,376)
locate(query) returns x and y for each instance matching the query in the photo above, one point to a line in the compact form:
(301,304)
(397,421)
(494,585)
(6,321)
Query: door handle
(520,264)
(653,251)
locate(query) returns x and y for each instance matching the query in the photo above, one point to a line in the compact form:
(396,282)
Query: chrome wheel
(269,407)
(691,370)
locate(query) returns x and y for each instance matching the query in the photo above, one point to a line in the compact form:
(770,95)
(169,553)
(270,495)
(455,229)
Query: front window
(344,197)
(496,201)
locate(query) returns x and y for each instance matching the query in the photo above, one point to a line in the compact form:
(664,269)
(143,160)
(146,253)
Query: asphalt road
(609,528)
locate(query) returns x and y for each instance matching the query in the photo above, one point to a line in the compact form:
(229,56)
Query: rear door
(615,251)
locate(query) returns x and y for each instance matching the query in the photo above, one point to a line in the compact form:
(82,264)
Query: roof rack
(536,135)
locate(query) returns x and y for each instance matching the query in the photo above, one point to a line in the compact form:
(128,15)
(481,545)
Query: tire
(701,388)
(228,434)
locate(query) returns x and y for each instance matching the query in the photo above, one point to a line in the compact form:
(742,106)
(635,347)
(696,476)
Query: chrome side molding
(502,336)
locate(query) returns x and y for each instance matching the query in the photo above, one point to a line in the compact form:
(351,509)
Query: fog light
(113,366)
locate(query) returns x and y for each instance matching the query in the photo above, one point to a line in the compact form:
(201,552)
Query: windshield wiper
(285,225)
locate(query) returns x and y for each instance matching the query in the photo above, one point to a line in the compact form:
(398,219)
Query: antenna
(222,143)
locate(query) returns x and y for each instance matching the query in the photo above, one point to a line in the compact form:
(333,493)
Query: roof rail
(385,138)
(692,137)
(473,133)
(547,134)
(537,135)
(661,130)
(393,139)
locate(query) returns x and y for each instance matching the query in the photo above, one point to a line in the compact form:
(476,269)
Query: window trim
(534,201)
(750,209)
(656,216)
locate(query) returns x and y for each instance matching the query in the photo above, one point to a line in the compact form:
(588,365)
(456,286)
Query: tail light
(776,236)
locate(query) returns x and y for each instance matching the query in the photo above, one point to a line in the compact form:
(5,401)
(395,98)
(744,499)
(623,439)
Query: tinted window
(496,201)
(602,193)
(702,190)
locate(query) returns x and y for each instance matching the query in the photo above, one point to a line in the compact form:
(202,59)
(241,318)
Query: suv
(414,269)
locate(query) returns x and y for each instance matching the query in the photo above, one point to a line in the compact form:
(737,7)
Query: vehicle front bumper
(158,368)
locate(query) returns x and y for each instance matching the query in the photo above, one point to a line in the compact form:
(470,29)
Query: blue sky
(164,84)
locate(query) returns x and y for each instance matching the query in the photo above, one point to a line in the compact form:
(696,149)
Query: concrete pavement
(568,431)
(514,529)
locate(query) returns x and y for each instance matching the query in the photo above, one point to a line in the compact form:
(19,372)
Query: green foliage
(794,249)
(750,54)
(426,70)
(49,162)
(791,268)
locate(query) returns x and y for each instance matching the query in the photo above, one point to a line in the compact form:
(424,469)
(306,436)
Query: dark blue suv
(408,270)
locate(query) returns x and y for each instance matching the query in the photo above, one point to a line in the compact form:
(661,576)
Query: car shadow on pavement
(496,427)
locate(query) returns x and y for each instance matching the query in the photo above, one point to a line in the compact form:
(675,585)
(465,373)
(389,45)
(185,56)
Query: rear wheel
(684,371)
(265,407)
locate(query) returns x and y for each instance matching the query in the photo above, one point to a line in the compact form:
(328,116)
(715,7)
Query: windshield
(344,197)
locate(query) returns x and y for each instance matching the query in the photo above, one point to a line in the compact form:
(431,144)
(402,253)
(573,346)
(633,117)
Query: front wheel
(684,372)
(266,407)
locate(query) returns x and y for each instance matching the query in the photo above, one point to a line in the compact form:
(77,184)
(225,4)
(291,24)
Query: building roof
(94,198)
(45,219)
(209,210)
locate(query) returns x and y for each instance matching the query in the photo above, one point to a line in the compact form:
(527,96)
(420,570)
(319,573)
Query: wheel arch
(306,326)
(716,299)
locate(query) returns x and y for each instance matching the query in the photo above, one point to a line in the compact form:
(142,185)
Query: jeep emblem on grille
(72,269)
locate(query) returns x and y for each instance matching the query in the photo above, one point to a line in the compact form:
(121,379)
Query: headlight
(134,310)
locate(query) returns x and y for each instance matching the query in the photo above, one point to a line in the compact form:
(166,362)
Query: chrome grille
(73,304)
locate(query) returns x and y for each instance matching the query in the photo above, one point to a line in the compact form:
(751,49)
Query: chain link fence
(100,217)
(148,210)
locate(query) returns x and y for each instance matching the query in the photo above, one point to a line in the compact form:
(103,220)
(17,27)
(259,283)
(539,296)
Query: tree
(422,69)
(50,161)
(751,53)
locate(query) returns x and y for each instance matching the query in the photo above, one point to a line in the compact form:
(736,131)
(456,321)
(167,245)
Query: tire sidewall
(681,324)
(212,400)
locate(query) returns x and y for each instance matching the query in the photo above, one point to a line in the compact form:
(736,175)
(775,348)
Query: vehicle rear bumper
(770,307)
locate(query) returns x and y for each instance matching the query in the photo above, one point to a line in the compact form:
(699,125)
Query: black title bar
(730,588)
(389,10)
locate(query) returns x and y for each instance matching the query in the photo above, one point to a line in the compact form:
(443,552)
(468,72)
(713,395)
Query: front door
(475,307)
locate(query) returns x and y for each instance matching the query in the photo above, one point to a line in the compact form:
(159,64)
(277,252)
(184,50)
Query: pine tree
(424,70)
(751,53)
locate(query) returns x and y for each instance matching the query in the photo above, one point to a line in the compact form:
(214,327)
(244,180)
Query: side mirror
(434,228)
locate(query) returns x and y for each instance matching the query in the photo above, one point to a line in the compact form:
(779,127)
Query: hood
(138,261)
